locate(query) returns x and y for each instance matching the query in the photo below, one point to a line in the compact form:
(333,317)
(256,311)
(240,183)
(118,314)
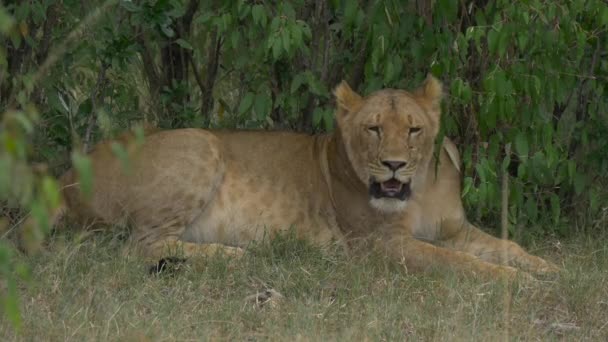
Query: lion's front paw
(541,266)
(513,274)
(550,267)
(233,252)
(168,265)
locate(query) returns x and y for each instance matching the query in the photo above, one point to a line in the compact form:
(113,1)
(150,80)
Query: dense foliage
(528,77)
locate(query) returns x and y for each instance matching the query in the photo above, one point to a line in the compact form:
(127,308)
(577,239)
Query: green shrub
(530,75)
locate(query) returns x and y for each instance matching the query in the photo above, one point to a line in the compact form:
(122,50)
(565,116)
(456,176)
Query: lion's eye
(415,130)
(374,129)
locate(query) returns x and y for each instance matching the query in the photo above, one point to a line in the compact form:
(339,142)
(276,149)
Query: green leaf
(328,118)
(83,167)
(579,183)
(167,30)
(261,106)
(258,13)
(466,94)
(297,81)
(493,37)
(243,10)
(537,84)
(287,9)
(105,123)
(521,171)
(140,135)
(11,303)
(389,71)
(481,172)
(505,163)
(50,188)
(461,90)
(317,116)
(467,185)
(376,53)
(235,38)
(85,108)
(316,87)
(63,103)
(522,40)
(183,43)
(130,6)
(286,41)
(531,209)
(276,49)
(296,34)
(604,15)
(24,121)
(521,145)
(503,40)
(226,22)
(40,213)
(594,200)
(22,271)
(547,134)
(274,25)
(306,30)
(123,156)
(350,11)
(6,21)
(555,207)
(246,103)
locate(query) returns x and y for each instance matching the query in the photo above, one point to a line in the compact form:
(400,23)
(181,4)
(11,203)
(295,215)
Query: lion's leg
(168,253)
(177,248)
(164,240)
(465,237)
(419,256)
(162,246)
(169,195)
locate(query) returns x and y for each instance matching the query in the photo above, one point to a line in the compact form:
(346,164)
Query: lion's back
(277,156)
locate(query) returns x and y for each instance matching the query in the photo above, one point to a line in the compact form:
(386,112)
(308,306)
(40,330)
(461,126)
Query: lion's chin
(389,196)
(388,205)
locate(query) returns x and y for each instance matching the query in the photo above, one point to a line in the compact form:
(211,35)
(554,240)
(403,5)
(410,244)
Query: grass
(86,290)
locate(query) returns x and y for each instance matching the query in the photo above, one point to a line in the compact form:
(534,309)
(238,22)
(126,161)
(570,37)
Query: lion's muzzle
(392,188)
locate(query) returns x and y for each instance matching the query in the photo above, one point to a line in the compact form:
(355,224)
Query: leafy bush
(527,76)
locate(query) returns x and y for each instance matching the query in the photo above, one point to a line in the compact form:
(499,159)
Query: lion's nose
(393,165)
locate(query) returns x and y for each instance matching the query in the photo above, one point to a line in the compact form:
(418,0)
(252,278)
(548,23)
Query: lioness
(198,192)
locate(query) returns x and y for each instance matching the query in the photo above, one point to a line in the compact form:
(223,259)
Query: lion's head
(389,138)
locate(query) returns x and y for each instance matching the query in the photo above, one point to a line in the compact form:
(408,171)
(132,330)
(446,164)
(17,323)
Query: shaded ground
(288,290)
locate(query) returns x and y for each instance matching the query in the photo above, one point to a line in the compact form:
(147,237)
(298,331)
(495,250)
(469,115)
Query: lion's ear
(430,94)
(348,100)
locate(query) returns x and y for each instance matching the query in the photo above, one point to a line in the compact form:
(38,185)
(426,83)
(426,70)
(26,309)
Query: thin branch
(197,74)
(150,69)
(61,48)
(504,203)
(213,60)
(92,121)
(592,66)
(47,33)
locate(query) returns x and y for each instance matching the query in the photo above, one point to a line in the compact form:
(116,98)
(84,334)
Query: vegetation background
(526,77)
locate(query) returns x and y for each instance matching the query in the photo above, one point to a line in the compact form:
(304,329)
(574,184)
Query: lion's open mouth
(391,188)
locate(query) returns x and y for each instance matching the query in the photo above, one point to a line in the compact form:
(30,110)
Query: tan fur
(194,191)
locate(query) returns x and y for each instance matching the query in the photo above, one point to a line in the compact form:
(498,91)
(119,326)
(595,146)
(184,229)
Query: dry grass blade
(86,290)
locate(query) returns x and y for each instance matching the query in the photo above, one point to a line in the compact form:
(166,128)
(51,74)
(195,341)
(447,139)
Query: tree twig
(213,60)
(62,47)
(504,203)
(92,121)
(197,75)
